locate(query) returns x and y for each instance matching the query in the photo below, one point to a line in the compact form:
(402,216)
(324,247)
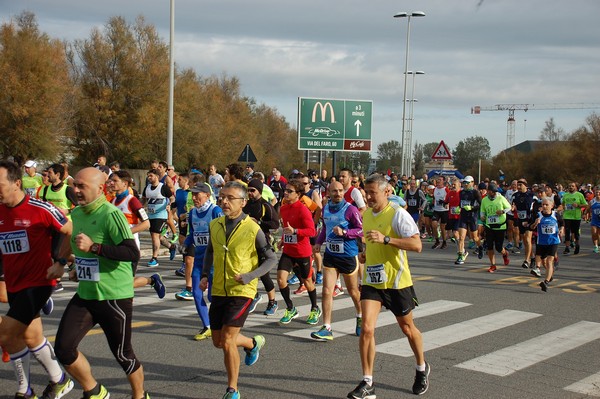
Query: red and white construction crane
(511,108)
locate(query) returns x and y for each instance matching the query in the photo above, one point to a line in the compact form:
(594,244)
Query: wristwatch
(386,240)
(344,232)
(62,261)
(95,248)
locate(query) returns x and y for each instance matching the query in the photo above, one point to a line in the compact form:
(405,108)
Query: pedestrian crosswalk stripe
(458,332)
(347,327)
(588,386)
(522,355)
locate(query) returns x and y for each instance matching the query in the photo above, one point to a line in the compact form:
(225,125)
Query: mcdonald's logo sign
(323,108)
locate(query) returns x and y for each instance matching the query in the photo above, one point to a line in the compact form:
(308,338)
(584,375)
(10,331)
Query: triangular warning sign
(247,155)
(441,152)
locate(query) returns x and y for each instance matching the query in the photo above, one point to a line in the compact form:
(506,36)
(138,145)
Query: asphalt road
(485,335)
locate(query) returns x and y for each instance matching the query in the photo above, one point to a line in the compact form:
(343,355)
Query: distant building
(529,146)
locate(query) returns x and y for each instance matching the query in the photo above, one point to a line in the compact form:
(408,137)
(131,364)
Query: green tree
(34,105)
(122,74)
(583,160)
(389,155)
(418,160)
(468,152)
(428,150)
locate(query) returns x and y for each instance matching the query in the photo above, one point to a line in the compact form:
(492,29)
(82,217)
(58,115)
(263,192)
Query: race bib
(493,219)
(31,191)
(200,239)
(290,238)
(464,203)
(570,207)
(548,229)
(597,211)
(455,210)
(14,242)
(88,269)
(412,202)
(336,246)
(522,214)
(155,205)
(376,274)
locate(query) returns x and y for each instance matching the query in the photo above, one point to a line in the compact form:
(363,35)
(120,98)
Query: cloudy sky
(473,52)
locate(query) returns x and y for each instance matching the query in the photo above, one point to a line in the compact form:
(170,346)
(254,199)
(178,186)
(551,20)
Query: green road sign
(334,125)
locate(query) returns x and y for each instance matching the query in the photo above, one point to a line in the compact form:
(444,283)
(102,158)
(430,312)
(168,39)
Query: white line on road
(588,386)
(517,357)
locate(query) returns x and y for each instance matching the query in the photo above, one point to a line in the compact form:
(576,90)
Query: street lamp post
(411,119)
(171,84)
(404,149)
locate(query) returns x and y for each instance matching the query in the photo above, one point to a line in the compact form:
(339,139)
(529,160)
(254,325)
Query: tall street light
(404,149)
(171,84)
(411,118)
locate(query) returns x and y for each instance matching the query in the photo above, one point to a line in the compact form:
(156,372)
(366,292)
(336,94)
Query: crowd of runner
(328,229)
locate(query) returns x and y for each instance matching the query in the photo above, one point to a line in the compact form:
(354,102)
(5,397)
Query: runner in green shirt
(572,202)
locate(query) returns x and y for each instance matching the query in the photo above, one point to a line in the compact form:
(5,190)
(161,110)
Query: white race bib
(522,214)
(335,246)
(14,242)
(548,229)
(493,219)
(412,202)
(290,238)
(376,274)
(88,269)
(200,239)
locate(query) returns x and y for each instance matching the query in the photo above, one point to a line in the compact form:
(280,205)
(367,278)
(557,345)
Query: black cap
(493,187)
(257,184)
(250,165)
(482,186)
(200,188)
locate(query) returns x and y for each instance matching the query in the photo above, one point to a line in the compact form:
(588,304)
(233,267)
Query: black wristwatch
(62,261)
(95,248)
(386,240)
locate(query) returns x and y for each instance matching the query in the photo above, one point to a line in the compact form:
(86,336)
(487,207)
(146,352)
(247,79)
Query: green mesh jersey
(572,203)
(101,278)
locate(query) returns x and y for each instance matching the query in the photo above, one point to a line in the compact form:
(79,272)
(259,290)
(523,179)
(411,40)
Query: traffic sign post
(334,125)
(442,153)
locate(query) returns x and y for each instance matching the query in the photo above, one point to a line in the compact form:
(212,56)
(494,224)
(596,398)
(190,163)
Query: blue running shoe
(358,326)
(181,271)
(153,262)
(293,280)
(231,394)
(184,295)
(158,285)
(323,334)
(257,299)
(48,306)
(252,354)
(172,251)
(319,278)
(271,309)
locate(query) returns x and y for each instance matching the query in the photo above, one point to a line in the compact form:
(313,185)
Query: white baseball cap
(31,164)
(468,179)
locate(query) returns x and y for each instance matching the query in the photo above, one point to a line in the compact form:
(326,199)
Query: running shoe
(158,285)
(289,315)
(516,250)
(421,381)
(313,316)
(253,354)
(520,246)
(465,254)
(596,250)
(301,290)
(56,390)
(5,356)
(566,251)
(459,259)
(231,394)
(556,262)
(205,333)
(506,259)
(492,269)
(104,394)
(358,328)
(453,240)
(181,271)
(153,262)
(337,290)
(184,295)
(293,280)
(509,245)
(436,245)
(444,245)
(319,278)
(172,251)
(271,309)
(146,395)
(480,252)
(423,235)
(525,265)
(576,251)
(257,299)
(430,239)
(472,244)
(363,391)
(48,306)
(20,395)
(536,272)
(324,334)
(174,239)
(544,285)
(58,287)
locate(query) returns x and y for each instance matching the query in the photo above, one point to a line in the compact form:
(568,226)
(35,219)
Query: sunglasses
(306,183)
(287,190)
